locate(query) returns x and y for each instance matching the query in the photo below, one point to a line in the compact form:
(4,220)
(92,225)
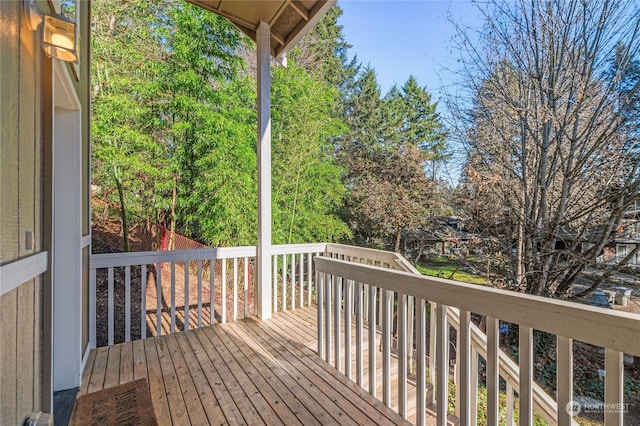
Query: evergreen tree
(389,142)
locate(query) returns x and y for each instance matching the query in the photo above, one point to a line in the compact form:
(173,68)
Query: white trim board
(16,273)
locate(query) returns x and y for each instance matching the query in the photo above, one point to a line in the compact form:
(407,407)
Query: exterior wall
(83,89)
(20,212)
(25,208)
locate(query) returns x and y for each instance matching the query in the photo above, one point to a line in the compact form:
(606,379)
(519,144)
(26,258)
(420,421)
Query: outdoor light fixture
(58,34)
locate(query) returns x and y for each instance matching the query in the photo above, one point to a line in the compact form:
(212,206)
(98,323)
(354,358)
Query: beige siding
(24,349)
(20,212)
(9,96)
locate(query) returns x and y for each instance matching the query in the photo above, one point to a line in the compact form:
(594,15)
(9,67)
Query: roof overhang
(289,20)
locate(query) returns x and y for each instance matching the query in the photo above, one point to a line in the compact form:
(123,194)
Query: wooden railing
(133,295)
(366,296)
(349,280)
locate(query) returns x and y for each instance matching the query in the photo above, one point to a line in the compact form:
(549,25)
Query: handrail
(509,370)
(197,283)
(611,329)
(615,331)
(108,260)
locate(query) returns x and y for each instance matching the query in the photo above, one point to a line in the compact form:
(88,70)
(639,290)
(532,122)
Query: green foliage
(174,126)
(389,143)
(307,189)
(450,271)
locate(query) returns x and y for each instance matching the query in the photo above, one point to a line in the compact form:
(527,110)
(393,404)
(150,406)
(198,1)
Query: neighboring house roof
(289,20)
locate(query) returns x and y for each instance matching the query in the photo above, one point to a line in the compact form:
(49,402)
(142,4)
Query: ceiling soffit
(289,20)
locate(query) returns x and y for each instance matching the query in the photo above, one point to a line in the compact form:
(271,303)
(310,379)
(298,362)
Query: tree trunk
(123,212)
(398,238)
(172,224)
(520,254)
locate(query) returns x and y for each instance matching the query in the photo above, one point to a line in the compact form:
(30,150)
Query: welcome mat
(124,405)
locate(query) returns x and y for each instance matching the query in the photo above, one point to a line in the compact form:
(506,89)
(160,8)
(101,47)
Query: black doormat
(128,404)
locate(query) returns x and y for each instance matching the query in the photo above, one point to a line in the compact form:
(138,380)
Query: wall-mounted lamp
(58,35)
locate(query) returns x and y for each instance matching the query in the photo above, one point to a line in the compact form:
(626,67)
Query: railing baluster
(92,308)
(365,303)
(199,293)
(301,281)
(492,371)
(525,392)
(173,297)
(284,282)
(464,368)
(110,305)
(432,348)
(348,301)
(613,387)
(387,300)
(359,327)
(158,299)
(328,284)
(372,340)
(186,295)
(275,284)
(337,303)
(223,291)
(402,355)
(442,364)
(293,280)
(456,375)
(127,304)
(379,303)
(421,376)
(143,301)
(309,280)
(212,286)
(246,288)
(509,406)
(474,388)
(564,377)
(234,309)
(320,278)
(410,321)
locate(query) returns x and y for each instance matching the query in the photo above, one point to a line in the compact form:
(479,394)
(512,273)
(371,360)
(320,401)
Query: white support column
(263,258)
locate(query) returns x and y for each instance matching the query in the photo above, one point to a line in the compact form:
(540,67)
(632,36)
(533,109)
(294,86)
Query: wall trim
(16,273)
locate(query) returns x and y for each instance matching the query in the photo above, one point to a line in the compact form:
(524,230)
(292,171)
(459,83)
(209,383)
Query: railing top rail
(611,329)
(364,253)
(107,260)
(298,248)
(147,257)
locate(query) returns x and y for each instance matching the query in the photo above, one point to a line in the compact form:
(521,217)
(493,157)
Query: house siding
(20,213)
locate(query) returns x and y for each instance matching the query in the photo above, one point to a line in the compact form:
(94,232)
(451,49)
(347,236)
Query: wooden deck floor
(247,372)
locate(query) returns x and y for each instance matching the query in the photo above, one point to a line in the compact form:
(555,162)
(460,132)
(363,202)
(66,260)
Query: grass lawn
(444,267)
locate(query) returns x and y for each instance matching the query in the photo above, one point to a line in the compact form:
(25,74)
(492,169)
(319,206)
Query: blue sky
(411,37)
(407,37)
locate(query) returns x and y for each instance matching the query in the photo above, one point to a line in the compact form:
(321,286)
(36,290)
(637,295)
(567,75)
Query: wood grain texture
(9,146)
(246,372)
(8,378)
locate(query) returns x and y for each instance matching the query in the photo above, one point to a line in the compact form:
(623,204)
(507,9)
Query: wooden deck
(246,372)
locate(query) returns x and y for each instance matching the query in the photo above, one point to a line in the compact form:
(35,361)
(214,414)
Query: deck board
(245,372)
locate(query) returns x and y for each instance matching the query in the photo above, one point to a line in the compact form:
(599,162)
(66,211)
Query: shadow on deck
(244,372)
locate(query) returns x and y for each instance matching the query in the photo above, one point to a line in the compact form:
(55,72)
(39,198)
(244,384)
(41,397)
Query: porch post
(263,258)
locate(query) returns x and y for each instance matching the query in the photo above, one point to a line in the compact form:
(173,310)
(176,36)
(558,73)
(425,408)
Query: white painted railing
(162,292)
(508,370)
(346,286)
